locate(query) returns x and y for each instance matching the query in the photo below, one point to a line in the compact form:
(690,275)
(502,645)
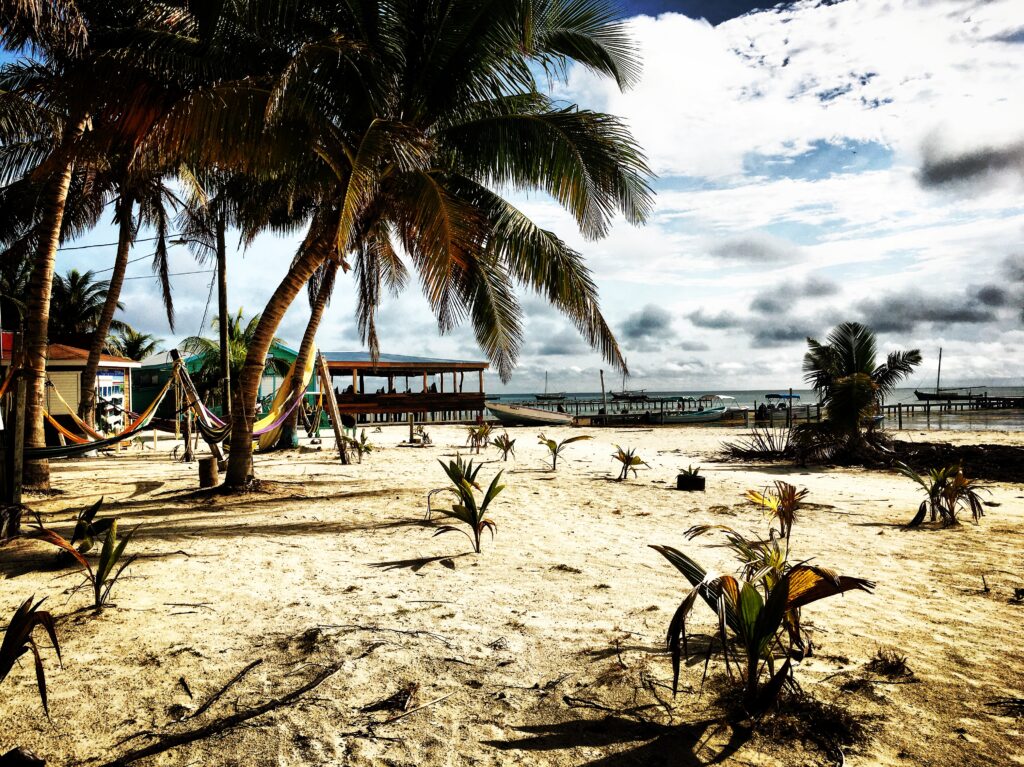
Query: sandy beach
(546,648)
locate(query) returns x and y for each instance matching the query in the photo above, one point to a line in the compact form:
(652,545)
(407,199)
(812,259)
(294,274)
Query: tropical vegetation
(948,492)
(18,640)
(556,448)
(467,509)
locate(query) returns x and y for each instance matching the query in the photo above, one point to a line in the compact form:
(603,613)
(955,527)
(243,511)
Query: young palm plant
(948,491)
(629,461)
(754,617)
(103,577)
(467,509)
(780,502)
(18,640)
(505,444)
(556,448)
(362,446)
(479,436)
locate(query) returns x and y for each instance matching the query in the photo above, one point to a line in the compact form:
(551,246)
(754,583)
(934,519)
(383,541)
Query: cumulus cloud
(781,298)
(646,327)
(757,248)
(903,313)
(693,346)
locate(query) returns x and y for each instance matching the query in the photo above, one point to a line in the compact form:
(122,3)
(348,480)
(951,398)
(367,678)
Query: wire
(140,258)
(109,244)
(173,273)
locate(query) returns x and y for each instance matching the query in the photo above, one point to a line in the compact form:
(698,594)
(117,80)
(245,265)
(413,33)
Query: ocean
(967,420)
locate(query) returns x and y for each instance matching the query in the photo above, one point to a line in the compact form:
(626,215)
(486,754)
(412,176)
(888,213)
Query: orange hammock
(142,418)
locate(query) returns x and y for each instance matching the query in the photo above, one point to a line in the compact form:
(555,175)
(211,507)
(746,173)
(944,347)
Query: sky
(816,162)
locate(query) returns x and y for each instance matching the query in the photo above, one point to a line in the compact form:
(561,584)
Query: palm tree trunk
(222,315)
(123,213)
(37,472)
(288,429)
(240,460)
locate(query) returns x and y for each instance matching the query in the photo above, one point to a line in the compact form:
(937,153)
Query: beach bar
(397,385)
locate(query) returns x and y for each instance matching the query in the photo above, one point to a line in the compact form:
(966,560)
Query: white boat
(522,415)
(710,407)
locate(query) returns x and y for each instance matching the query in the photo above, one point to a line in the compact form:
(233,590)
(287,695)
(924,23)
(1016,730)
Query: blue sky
(816,162)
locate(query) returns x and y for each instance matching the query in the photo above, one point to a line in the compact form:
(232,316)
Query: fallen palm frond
(18,640)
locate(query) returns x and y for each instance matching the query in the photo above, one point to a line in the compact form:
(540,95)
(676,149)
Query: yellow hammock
(281,401)
(144,416)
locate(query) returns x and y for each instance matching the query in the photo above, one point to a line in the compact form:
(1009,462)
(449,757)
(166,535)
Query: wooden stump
(208,476)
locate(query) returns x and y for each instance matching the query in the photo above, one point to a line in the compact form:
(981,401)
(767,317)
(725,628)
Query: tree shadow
(418,563)
(652,744)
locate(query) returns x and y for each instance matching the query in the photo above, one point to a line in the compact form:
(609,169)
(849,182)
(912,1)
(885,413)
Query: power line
(172,274)
(109,244)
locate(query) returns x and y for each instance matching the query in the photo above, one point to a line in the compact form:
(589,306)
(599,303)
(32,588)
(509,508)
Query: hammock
(280,409)
(7,381)
(140,422)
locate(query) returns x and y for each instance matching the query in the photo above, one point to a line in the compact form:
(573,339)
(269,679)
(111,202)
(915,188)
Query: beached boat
(522,415)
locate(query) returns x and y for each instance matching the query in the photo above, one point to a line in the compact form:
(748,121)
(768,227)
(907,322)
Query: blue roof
(398,359)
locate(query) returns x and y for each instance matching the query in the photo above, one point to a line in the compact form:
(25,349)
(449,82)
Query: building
(64,367)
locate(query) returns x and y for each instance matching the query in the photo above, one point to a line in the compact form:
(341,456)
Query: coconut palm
(132,344)
(77,303)
(394,142)
(240,337)
(850,382)
(91,79)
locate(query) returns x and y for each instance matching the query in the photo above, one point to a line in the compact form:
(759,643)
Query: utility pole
(222,306)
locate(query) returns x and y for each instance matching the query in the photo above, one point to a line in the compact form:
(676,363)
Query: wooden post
(412,421)
(604,398)
(424,380)
(332,406)
(789,409)
(208,472)
(899,415)
(441,390)
(19,441)
(481,381)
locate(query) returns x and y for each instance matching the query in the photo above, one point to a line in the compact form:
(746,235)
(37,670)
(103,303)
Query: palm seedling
(88,528)
(479,436)
(505,444)
(629,460)
(556,448)
(18,640)
(103,577)
(753,614)
(362,446)
(780,502)
(467,509)
(948,491)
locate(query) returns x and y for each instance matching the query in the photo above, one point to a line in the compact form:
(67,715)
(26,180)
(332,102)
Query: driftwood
(173,740)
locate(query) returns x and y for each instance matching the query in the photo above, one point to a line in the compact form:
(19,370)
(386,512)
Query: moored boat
(555,396)
(511,414)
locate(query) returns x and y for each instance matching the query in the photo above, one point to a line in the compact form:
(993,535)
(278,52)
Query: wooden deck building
(397,385)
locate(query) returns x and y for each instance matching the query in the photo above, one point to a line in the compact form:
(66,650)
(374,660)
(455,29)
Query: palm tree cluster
(386,132)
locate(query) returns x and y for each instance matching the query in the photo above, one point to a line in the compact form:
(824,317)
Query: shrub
(505,444)
(754,614)
(628,460)
(948,492)
(764,443)
(689,471)
(18,640)
(556,448)
(103,578)
(467,510)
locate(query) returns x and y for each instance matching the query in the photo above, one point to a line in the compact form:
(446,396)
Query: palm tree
(77,303)
(390,140)
(91,79)
(132,344)
(240,338)
(850,383)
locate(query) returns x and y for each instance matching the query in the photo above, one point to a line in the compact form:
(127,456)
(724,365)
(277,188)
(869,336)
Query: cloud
(782,297)
(974,165)
(693,346)
(992,295)
(566,342)
(756,248)
(903,313)
(783,334)
(647,327)
(720,321)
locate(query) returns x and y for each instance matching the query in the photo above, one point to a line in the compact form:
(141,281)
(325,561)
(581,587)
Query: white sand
(566,604)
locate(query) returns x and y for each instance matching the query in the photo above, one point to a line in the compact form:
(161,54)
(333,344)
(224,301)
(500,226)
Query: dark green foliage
(479,436)
(467,509)
(689,471)
(18,640)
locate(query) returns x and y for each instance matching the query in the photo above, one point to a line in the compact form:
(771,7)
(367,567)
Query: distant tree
(76,305)
(849,381)
(240,338)
(132,344)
